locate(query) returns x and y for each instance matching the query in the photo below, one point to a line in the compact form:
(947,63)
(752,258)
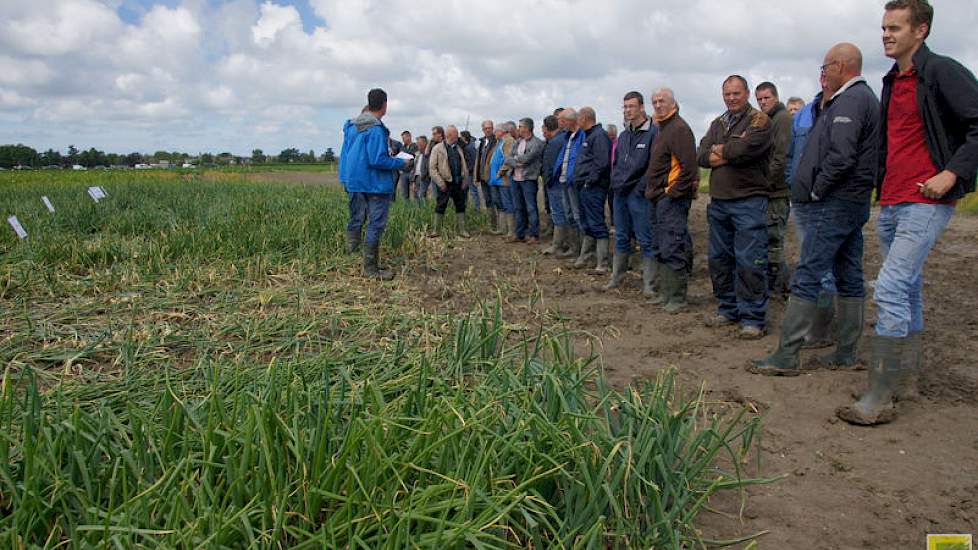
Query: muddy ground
(846,487)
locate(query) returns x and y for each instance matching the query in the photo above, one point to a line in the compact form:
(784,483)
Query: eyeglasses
(827,65)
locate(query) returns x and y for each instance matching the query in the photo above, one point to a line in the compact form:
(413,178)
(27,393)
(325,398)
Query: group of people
(819,162)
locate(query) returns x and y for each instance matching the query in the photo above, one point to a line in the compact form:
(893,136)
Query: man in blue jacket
(368,172)
(556,140)
(592,177)
(831,190)
(564,180)
(632,211)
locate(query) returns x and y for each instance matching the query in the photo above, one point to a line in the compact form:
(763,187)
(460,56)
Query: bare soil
(846,487)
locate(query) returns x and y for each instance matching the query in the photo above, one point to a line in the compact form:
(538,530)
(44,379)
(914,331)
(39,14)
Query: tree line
(20,155)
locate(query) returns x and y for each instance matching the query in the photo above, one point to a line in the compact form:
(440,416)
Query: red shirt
(908,160)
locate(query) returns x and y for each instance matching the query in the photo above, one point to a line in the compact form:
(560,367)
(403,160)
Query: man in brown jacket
(449,172)
(673,181)
(737,149)
(778,206)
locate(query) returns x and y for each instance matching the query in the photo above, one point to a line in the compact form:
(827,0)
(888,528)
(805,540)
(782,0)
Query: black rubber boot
(353,241)
(850,329)
(674,286)
(876,405)
(619,263)
(820,335)
(658,295)
(784,361)
(908,388)
(371,268)
(650,280)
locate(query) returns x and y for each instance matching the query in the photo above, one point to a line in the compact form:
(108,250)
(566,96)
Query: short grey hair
(587,113)
(528,122)
(667,92)
(612,127)
(509,125)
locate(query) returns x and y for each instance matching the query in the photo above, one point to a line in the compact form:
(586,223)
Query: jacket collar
(644,127)
(919,59)
(852,82)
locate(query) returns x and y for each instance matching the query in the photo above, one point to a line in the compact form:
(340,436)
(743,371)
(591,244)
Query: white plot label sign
(47,203)
(18,229)
(97,193)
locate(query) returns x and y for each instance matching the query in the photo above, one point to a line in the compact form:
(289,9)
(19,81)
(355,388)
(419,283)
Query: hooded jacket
(366,164)
(672,163)
(632,157)
(947,95)
(840,159)
(551,152)
(593,166)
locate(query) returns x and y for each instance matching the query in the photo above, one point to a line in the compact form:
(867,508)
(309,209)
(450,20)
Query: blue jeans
(738,258)
(592,199)
(572,206)
(474,191)
(404,185)
(557,212)
(502,197)
(370,209)
(833,243)
(670,227)
(527,213)
(907,233)
(632,214)
(802,220)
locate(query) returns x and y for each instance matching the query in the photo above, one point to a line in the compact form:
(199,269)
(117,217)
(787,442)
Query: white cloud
(239,74)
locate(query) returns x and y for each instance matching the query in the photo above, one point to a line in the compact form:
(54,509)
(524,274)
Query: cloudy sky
(233,75)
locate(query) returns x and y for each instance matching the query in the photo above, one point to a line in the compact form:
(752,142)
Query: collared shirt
(454,161)
(567,153)
(908,161)
(730,119)
(520,150)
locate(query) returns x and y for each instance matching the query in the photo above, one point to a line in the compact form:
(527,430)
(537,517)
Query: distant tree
(134,158)
(207,158)
(51,158)
(257,155)
(224,158)
(113,159)
(289,155)
(329,155)
(72,155)
(311,155)
(18,155)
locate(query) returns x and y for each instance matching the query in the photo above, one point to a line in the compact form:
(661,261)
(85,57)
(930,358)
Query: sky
(235,75)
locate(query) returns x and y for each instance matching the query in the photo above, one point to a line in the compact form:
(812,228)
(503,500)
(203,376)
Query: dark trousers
(833,242)
(370,209)
(670,220)
(454,192)
(738,258)
(592,199)
(527,211)
(632,215)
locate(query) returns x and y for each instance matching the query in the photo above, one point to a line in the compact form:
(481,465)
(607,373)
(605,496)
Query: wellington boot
(784,361)
(587,252)
(876,405)
(617,271)
(601,254)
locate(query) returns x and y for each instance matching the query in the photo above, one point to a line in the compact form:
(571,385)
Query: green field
(194,363)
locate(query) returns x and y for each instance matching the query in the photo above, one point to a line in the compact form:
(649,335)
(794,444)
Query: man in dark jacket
(556,139)
(928,159)
(673,182)
(632,211)
(831,192)
(737,148)
(591,180)
(404,179)
(486,143)
(778,206)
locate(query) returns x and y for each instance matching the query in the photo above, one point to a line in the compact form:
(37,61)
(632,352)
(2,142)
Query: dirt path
(847,487)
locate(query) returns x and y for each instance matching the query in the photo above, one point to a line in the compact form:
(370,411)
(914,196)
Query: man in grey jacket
(524,164)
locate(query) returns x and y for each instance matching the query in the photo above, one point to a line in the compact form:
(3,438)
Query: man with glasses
(632,211)
(831,192)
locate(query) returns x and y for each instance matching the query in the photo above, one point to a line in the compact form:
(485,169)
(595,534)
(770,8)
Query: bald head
(842,63)
(568,119)
(850,55)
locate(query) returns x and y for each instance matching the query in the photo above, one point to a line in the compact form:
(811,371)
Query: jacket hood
(366,121)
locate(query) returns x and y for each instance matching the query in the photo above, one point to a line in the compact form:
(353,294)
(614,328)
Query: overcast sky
(214,75)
